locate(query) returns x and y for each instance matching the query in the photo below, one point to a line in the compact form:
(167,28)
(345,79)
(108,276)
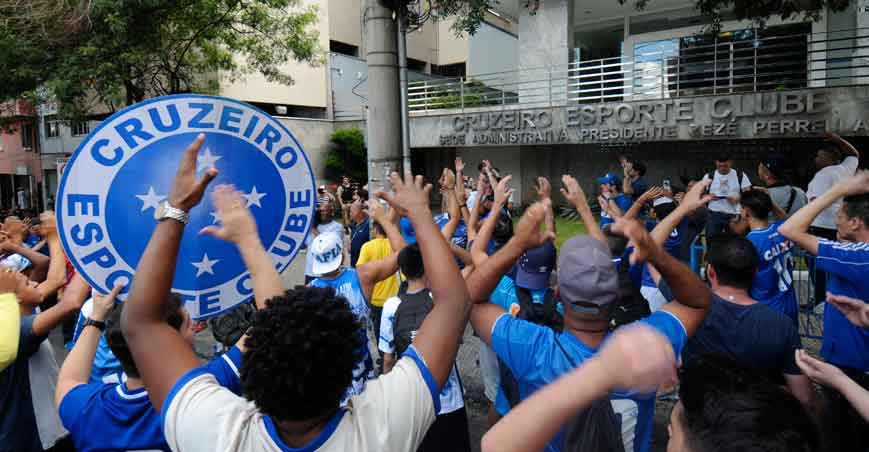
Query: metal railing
(691,67)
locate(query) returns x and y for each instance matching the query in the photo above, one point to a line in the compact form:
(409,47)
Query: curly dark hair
(118,344)
(301,351)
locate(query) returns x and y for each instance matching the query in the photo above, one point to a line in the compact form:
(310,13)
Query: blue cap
(535,267)
(407,231)
(610,178)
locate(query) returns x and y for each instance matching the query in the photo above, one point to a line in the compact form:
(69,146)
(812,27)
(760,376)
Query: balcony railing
(690,67)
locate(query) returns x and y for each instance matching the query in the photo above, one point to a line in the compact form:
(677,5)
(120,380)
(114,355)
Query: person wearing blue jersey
(846,261)
(588,287)
(613,203)
(357,284)
(773,284)
(106,367)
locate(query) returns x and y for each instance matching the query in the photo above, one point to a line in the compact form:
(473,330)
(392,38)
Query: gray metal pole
(402,84)
(383,125)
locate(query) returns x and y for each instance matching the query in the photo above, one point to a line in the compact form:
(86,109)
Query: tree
(347,156)
(470,13)
(118,52)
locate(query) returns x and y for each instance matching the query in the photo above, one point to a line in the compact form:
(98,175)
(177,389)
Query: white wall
(492,50)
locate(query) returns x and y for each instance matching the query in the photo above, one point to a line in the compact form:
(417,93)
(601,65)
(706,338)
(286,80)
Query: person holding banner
(296,400)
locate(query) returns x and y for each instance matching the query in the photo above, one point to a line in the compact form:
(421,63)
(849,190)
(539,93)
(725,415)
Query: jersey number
(784,266)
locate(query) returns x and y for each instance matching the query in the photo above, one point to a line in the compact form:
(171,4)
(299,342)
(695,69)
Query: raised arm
(77,367)
(162,355)
(691,296)
(439,335)
(574,194)
(39,260)
(647,197)
(239,228)
(797,226)
(844,145)
(371,273)
(485,277)
(454,212)
(544,193)
(636,357)
(627,181)
(691,201)
(460,179)
(478,249)
(475,211)
(57,265)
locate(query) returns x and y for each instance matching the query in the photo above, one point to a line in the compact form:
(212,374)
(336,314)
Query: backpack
(544,314)
(630,305)
(408,318)
(596,428)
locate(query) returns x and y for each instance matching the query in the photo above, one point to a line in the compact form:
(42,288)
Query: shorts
(489,369)
(654,296)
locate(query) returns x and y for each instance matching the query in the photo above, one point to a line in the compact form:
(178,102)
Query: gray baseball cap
(586,273)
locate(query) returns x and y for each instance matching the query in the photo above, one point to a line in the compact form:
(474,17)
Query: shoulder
(79,398)
(670,326)
(391,305)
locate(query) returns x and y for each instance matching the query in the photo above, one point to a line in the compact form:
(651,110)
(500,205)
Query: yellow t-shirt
(10,320)
(371,251)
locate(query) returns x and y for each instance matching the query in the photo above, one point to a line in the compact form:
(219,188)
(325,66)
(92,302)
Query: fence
(745,62)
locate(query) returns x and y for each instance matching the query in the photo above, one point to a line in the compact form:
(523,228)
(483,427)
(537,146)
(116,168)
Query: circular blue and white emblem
(124,169)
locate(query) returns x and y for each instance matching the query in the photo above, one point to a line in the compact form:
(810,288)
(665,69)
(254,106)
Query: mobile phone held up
(666,185)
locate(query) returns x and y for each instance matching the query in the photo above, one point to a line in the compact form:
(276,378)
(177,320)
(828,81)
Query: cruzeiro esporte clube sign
(124,169)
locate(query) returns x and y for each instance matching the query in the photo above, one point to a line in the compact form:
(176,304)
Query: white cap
(661,200)
(327,250)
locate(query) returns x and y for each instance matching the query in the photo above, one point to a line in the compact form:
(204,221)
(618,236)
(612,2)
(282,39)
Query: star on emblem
(215,217)
(150,200)
(206,160)
(206,265)
(254,197)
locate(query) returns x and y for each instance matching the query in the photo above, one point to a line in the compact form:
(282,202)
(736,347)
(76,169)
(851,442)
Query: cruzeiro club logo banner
(120,174)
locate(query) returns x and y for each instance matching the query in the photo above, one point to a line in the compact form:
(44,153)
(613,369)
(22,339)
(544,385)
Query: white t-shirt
(452,396)
(472,198)
(723,186)
(823,181)
(393,414)
(331,227)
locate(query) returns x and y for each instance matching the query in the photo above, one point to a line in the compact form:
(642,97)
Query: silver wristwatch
(165,211)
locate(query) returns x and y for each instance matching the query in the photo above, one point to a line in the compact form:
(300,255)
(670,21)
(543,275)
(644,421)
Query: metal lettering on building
(786,114)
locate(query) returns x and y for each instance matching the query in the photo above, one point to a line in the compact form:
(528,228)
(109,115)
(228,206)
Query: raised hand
(854,185)
(236,222)
(411,194)
(527,232)
(697,196)
(573,192)
(103,304)
(503,191)
(544,188)
(639,238)
(448,179)
(187,190)
(48,224)
(376,211)
(819,371)
(460,165)
(638,357)
(857,311)
(652,194)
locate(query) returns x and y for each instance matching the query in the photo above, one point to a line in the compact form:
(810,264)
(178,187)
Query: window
(27,135)
(343,48)
(52,126)
(80,128)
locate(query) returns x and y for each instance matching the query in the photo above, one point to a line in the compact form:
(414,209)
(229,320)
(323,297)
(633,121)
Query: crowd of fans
(577,342)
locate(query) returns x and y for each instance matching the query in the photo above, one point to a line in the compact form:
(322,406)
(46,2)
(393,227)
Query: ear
(711,275)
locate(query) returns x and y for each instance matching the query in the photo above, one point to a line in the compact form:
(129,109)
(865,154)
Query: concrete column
(545,43)
(861,52)
(383,125)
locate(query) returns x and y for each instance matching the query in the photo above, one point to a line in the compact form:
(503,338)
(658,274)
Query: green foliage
(476,94)
(130,50)
(347,155)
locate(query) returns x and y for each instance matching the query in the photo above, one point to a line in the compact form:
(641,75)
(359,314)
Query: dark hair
(834,152)
(730,407)
(617,243)
(640,167)
(362,193)
(758,202)
(503,228)
(324,336)
(377,228)
(857,206)
(410,262)
(723,156)
(734,259)
(118,344)
(662,210)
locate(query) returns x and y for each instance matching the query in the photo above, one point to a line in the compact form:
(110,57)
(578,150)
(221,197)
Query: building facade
(20,164)
(594,81)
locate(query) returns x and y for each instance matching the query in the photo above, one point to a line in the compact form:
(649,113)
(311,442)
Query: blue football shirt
(773,283)
(848,266)
(109,417)
(347,285)
(623,201)
(672,246)
(536,360)
(106,367)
